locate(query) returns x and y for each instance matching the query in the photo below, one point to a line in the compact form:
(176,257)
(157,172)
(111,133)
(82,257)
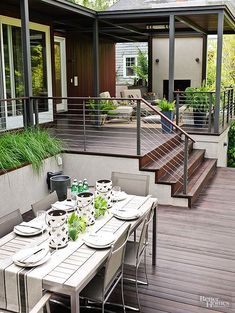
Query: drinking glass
(115,191)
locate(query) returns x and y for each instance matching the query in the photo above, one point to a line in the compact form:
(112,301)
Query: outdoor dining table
(69,269)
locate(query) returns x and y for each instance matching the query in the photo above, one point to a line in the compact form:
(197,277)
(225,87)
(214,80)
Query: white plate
(42,261)
(99,241)
(126,215)
(30,256)
(65,205)
(27,231)
(120,196)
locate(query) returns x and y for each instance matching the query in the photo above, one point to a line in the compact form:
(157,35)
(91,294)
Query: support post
(138,126)
(171,57)
(204,58)
(185,174)
(220,28)
(177,109)
(25,37)
(96,58)
(150,63)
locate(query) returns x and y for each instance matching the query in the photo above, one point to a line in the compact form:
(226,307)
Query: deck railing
(195,111)
(89,125)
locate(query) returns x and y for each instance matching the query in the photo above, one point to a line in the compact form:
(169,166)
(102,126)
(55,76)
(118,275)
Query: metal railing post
(84,125)
(138,126)
(35,106)
(224,101)
(210,111)
(177,109)
(24,103)
(185,175)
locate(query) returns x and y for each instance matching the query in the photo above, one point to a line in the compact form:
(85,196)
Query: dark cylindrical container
(60,184)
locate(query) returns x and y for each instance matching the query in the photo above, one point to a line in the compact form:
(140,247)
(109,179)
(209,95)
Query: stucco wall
(186,51)
(20,188)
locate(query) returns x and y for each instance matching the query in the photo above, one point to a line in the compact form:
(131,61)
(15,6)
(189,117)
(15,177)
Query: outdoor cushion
(152,119)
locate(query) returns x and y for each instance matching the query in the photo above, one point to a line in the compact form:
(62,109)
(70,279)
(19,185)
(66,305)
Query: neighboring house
(126,57)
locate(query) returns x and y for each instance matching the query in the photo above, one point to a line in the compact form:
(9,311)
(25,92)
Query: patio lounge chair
(122,111)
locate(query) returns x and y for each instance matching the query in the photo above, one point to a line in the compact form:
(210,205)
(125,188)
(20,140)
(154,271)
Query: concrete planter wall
(21,187)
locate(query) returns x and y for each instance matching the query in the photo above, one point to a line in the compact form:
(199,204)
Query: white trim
(63,105)
(44,117)
(124,64)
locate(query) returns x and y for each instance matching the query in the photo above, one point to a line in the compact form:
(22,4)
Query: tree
(98,5)
(228,65)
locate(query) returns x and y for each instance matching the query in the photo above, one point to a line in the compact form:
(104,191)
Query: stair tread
(196,180)
(157,164)
(174,176)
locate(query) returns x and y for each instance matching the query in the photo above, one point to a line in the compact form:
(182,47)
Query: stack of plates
(65,205)
(31,257)
(31,228)
(99,240)
(126,214)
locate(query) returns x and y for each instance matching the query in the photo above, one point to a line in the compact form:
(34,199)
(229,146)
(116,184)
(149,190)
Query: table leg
(154,237)
(75,305)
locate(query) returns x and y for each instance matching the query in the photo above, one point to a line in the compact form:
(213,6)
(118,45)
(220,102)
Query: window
(129,61)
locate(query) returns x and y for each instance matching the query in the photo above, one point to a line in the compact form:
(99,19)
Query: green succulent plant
(101,206)
(76,225)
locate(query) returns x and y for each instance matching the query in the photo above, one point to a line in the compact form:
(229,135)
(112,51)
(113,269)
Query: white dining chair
(7,222)
(45,203)
(134,184)
(136,252)
(101,286)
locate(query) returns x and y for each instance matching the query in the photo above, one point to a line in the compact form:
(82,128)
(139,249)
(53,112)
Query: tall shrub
(231,146)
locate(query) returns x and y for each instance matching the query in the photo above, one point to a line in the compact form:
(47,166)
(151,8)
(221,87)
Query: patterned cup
(58,228)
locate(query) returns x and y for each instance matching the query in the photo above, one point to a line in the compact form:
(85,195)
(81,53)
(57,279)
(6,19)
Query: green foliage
(76,225)
(165,105)
(228,65)
(98,5)
(104,106)
(198,98)
(141,69)
(29,146)
(231,146)
(101,206)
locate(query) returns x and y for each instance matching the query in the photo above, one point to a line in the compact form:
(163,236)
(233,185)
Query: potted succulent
(167,109)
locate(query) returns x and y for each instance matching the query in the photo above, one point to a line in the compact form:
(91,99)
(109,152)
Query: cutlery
(28,256)
(29,226)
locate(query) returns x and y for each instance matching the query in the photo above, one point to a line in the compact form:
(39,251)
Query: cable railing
(196,111)
(122,126)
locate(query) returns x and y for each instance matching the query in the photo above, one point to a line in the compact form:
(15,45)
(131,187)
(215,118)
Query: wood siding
(80,64)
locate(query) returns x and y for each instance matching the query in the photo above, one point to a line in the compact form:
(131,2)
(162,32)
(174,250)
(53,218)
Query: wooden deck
(196,254)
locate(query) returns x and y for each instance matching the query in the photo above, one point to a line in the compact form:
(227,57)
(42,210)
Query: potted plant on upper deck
(167,109)
(198,99)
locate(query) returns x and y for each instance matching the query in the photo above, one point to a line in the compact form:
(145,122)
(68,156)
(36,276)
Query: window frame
(125,67)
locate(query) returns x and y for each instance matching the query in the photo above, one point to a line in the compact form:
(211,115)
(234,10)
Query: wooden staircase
(167,162)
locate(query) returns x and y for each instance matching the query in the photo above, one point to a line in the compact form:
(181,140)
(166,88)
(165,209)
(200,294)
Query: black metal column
(96,58)
(150,63)
(171,57)
(204,58)
(25,37)
(2,104)
(220,29)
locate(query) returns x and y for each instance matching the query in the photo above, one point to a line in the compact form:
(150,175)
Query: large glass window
(13,64)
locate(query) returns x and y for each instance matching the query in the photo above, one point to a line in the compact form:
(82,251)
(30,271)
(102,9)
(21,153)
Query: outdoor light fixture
(197,60)
(157,60)
(158,27)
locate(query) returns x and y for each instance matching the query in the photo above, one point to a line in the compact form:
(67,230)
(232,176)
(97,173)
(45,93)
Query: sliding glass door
(13,77)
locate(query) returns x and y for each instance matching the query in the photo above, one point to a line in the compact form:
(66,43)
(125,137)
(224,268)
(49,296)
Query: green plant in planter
(101,206)
(141,68)
(104,106)
(30,146)
(167,109)
(76,225)
(166,106)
